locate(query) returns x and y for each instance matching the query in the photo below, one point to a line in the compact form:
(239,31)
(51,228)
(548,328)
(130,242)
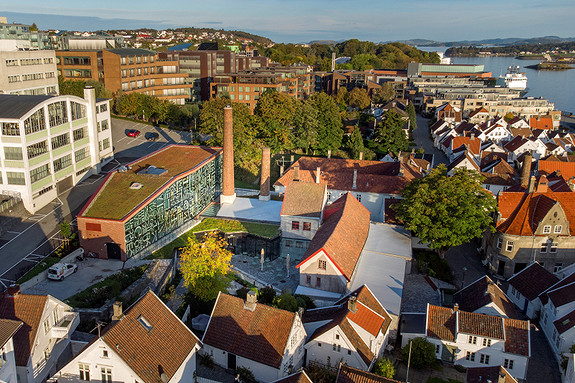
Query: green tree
(509,116)
(389,135)
(384,367)
(330,133)
(358,98)
(355,143)
(33,27)
(422,353)
(276,106)
(384,94)
(286,301)
(306,125)
(412,116)
(76,87)
(342,97)
(446,211)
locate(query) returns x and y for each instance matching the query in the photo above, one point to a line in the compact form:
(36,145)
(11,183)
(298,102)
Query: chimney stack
(13,291)
(329,153)
(265,177)
(251,301)
(317,175)
(352,304)
(456,307)
(542,185)
(526,169)
(532,184)
(360,156)
(228,193)
(117,309)
(354,185)
(296,173)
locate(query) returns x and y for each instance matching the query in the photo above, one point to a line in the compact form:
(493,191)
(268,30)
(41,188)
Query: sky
(306,20)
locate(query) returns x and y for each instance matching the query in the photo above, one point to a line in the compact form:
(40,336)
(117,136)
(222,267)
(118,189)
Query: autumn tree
(342,97)
(389,136)
(358,98)
(205,265)
(384,94)
(446,211)
(384,367)
(330,133)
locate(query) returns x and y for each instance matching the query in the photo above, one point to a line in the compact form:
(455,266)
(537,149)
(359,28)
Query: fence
(9,203)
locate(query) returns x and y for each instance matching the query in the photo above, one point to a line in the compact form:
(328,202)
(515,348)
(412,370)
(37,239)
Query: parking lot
(131,148)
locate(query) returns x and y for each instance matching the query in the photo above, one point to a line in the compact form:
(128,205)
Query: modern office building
(139,206)
(49,143)
(30,72)
(126,70)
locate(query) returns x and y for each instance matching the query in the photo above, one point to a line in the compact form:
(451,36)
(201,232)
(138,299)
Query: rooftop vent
(152,170)
(122,169)
(136,185)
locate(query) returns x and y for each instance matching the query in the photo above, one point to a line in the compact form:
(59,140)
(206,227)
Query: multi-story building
(162,194)
(15,37)
(50,143)
(30,72)
(127,71)
(203,65)
(246,87)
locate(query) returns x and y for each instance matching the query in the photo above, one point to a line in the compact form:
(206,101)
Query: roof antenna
(99,324)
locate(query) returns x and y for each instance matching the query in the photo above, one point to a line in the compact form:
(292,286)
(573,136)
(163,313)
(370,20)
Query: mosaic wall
(176,206)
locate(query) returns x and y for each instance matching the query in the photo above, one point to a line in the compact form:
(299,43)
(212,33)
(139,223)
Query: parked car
(59,271)
(133,133)
(152,136)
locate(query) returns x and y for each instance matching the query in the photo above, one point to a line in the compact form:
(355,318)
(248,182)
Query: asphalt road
(423,140)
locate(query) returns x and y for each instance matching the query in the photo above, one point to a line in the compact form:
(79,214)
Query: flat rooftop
(116,199)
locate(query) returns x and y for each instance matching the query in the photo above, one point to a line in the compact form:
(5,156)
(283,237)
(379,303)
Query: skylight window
(144,322)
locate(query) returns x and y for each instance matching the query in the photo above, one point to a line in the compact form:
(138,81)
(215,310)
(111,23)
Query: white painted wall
(321,349)
(8,365)
(331,278)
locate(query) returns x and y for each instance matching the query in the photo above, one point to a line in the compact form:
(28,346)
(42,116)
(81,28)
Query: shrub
(384,367)
(245,375)
(267,295)
(460,368)
(286,301)
(242,292)
(422,353)
(207,360)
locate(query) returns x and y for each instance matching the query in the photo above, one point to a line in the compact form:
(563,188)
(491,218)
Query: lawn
(110,288)
(223,225)
(39,268)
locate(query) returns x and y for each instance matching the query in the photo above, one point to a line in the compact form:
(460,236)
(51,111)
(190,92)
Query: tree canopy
(358,98)
(422,353)
(446,211)
(389,136)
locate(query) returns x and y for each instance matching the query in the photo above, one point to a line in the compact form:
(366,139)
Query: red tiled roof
(337,174)
(481,293)
(28,309)
(477,111)
(297,377)
(532,281)
(479,324)
(304,199)
(474,144)
(165,345)
(342,235)
(486,374)
(347,374)
(541,122)
(549,166)
(517,337)
(260,335)
(8,329)
(441,323)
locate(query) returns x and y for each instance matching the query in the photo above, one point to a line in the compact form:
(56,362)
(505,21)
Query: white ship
(514,79)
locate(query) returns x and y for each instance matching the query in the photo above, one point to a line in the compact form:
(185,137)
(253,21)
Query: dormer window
(546,229)
(557,229)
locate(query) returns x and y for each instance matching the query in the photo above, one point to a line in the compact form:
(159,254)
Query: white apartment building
(49,143)
(30,72)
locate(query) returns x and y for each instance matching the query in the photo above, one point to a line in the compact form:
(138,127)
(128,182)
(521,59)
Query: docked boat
(514,79)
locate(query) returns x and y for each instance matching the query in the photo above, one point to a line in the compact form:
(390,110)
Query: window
(57,113)
(322,265)
(104,124)
(10,129)
(543,247)
(484,359)
(38,149)
(144,322)
(486,342)
(79,155)
(472,339)
(12,153)
(318,344)
(499,242)
(546,229)
(553,248)
(62,163)
(308,279)
(103,108)
(46,325)
(307,226)
(39,173)
(299,245)
(358,197)
(61,140)
(35,123)
(317,282)
(336,336)
(105,143)
(288,243)
(557,267)
(106,375)
(79,134)
(78,110)
(15,178)
(508,364)
(470,356)
(84,371)
(557,229)
(437,348)
(509,246)
(295,225)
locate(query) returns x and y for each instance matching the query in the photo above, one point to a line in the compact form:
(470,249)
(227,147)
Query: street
(423,140)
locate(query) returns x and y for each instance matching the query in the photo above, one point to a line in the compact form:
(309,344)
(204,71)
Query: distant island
(549,66)
(525,51)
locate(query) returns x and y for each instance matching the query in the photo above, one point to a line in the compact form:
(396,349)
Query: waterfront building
(50,143)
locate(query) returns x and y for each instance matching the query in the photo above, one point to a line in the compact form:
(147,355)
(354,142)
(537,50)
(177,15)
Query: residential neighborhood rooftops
(483,292)
(532,281)
(495,374)
(260,335)
(8,329)
(296,377)
(347,374)
(304,199)
(174,159)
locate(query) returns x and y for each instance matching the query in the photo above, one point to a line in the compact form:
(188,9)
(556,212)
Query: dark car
(133,133)
(152,136)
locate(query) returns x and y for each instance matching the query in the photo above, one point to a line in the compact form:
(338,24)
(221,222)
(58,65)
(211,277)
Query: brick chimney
(228,192)
(456,307)
(13,291)
(296,173)
(532,182)
(251,301)
(317,175)
(265,178)
(542,185)
(526,169)
(352,304)
(117,311)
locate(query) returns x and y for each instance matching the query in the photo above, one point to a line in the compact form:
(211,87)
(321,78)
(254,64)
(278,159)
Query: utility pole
(408,363)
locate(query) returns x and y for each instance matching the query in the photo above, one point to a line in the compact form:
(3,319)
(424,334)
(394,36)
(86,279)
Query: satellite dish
(164,377)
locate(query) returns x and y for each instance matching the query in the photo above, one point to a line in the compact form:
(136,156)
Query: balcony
(66,325)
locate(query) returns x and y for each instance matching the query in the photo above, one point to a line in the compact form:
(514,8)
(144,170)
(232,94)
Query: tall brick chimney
(526,170)
(265,177)
(228,192)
